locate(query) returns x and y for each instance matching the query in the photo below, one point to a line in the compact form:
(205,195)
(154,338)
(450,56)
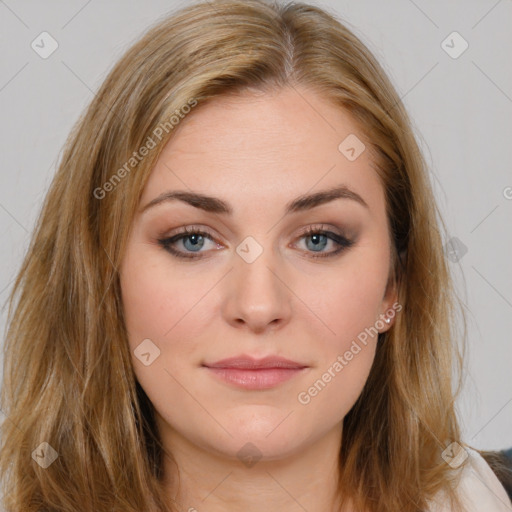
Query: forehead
(265,146)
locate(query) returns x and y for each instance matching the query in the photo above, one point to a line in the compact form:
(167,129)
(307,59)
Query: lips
(250,363)
(255,374)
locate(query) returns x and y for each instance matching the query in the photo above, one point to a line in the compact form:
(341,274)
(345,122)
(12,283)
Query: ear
(390,305)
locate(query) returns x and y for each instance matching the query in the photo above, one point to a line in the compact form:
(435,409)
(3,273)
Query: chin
(249,450)
(267,438)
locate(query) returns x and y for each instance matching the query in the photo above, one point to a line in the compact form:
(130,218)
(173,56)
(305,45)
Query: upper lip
(251,363)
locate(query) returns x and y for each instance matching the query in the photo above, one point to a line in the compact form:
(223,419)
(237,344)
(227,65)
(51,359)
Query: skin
(256,152)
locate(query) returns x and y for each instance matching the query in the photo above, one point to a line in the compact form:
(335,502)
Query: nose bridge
(253,269)
(257,295)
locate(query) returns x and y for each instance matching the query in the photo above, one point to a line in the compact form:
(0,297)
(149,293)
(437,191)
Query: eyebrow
(216,205)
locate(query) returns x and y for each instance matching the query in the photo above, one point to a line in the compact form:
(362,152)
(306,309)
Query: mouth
(255,374)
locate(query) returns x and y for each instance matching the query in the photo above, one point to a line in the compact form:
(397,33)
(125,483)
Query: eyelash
(343,242)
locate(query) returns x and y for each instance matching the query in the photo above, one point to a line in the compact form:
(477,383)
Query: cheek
(332,391)
(146,304)
(345,302)
(158,304)
(160,307)
(174,313)
(346,350)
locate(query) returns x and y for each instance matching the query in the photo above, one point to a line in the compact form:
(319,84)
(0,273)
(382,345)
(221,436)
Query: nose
(257,296)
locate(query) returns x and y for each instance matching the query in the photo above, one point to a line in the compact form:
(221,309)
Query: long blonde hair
(68,379)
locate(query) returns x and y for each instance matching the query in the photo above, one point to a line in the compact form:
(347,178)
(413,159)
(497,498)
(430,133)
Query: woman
(236,296)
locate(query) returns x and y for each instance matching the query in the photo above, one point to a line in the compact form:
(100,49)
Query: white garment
(479,488)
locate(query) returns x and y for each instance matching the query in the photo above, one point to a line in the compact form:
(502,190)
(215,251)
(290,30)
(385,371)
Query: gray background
(461,108)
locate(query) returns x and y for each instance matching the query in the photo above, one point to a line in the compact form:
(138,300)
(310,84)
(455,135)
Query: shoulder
(478,488)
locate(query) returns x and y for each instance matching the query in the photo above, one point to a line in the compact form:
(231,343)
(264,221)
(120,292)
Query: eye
(317,239)
(192,240)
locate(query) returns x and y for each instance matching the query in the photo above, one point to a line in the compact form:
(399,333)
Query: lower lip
(264,378)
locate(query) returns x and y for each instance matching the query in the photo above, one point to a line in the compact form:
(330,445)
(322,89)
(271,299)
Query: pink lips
(249,373)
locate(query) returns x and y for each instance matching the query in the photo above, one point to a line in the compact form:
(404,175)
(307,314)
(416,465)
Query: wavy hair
(68,378)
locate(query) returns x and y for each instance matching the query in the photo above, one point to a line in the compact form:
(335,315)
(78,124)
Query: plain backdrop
(460,101)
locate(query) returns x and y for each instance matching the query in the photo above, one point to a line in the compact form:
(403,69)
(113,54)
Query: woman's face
(253,283)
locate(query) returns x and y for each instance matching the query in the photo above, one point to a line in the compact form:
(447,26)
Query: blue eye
(320,238)
(193,240)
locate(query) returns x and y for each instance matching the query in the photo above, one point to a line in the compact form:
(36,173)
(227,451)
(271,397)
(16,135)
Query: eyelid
(310,228)
(319,227)
(191,228)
